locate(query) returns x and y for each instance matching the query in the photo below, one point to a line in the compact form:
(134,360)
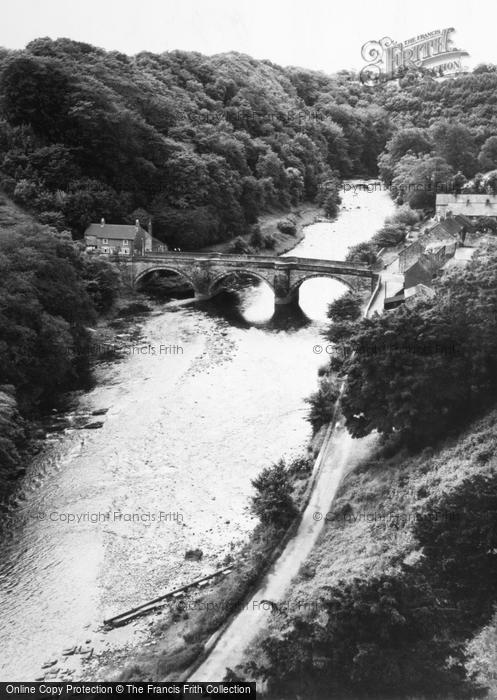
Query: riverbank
(23,438)
(303,215)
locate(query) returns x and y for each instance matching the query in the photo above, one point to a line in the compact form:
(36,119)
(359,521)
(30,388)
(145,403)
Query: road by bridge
(205,271)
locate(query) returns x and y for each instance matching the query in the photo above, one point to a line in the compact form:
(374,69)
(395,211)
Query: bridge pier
(290,299)
(284,293)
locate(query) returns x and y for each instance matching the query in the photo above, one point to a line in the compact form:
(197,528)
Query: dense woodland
(203,146)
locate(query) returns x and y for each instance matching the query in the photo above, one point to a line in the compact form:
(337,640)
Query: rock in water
(194,554)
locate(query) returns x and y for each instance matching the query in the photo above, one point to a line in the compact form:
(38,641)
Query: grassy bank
(370,533)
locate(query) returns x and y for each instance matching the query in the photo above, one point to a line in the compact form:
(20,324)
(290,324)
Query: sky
(320,34)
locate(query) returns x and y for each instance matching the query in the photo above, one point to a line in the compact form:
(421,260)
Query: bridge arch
(246,272)
(165,268)
(316,275)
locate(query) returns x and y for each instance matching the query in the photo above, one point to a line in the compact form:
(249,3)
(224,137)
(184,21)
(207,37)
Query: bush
(487,223)
(390,235)
(363,253)
(460,547)
(331,204)
(178,660)
(256,238)
(404,215)
(381,639)
(287,226)
(52,218)
(322,403)
(240,246)
(269,241)
(345,308)
(273,503)
(300,466)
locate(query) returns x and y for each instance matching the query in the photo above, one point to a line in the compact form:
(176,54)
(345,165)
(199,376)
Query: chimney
(137,225)
(102,222)
(150,226)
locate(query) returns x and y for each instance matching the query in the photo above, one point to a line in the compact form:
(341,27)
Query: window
(125,241)
(105,240)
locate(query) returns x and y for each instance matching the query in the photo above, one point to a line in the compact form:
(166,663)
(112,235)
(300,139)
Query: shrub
(269,241)
(331,204)
(178,660)
(404,215)
(273,503)
(346,308)
(287,226)
(365,253)
(322,403)
(390,235)
(52,218)
(240,245)
(256,237)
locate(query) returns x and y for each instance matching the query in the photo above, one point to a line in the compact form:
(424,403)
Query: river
(103,518)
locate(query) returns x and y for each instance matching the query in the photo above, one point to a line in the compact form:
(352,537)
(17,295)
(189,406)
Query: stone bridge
(206,271)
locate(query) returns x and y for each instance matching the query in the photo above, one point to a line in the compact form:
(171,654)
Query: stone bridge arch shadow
(313,305)
(349,282)
(241,274)
(169,280)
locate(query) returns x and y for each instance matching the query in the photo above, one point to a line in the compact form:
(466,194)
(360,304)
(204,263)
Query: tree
(346,308)
(416,141)
(487,223)
(420,372)
(417,180)
(390,234)
(455,143)
(102,283)
(487,158)
(363,253)
(322,404)
(36,91)
(273,503)
(383,637)
(45,311)
(460,547)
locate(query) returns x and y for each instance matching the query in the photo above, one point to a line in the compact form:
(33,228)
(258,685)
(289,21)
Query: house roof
(443,228)
(420,289)
(417,274)
(114,231)
(451,225)
(465,222)
(469,204)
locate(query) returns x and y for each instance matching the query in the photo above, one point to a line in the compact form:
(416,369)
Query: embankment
(370,534)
